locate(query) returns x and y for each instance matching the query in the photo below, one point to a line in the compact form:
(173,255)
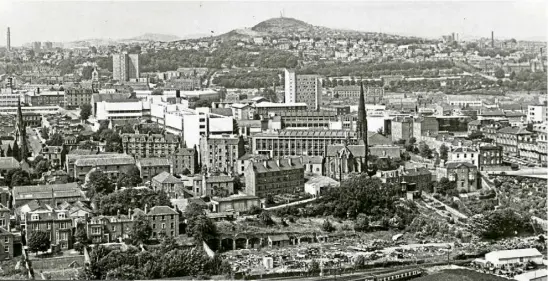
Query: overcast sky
(71,20)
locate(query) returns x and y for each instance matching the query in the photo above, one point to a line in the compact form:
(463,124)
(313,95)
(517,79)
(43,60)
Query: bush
(327,226)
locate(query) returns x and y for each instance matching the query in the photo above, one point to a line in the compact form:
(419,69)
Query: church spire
(22,132)
(362,117)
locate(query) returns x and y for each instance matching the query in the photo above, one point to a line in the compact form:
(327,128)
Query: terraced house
(150,145)
(150,167)
(112,166)
(509,137)
(56,222)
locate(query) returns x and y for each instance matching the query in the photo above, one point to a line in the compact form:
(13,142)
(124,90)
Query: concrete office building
(125,67)
(303,88)
(537,113)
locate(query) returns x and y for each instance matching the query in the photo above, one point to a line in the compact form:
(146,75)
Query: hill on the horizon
(154,37)
(291,27)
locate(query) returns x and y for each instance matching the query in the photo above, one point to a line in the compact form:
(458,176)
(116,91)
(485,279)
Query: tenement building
(75,97)
(150,145)
(220,153)
(373,95)
(273,177)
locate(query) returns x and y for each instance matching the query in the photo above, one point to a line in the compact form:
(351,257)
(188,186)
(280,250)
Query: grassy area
(65,274)
(460,275)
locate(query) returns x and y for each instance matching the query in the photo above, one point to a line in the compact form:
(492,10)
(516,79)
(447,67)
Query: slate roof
(234,198)
(8,163)
(219,179)
(153,162)
(119,160)
(165,177)
(45,191)
(272,165)
(222,111)
(356,150)
(510,254)
(110,97)
(514,131)
(161,210)
(456,165)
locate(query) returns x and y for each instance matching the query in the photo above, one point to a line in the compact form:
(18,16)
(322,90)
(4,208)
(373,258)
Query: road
(34,141)
(291,204)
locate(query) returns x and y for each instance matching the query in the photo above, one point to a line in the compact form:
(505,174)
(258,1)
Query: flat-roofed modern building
(299,142)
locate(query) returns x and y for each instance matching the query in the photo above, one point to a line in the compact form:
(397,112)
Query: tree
(265,218)
(38,241)
(512,75)
(425,150)
(499,73)
(362,223)
(444,186)
(99,182)
(129,179)
(235,128)
(87,72)
(443,152)
(85,111)
(110,204)
(81,238)
(140,231)
(17,177)
(500,223)
(412,141)
(42,167)
(44,133)
(55,140)
(88,145)
(327,226)
(9,151)
(201,228)
(15,152)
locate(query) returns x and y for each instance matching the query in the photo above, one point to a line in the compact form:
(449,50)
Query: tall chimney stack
(492,39)
(8,40)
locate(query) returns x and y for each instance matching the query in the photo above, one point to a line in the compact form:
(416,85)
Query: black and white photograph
(274,140)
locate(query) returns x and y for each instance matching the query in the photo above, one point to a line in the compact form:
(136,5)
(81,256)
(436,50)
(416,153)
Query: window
(163,225)
(153,225)
(6,249)
(6,240)
(34,217)
(61,216)
(48,225)
(172,225)
(163,217)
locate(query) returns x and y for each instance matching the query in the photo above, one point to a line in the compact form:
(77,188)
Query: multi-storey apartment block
(150,145)
(273,177)
(221,152)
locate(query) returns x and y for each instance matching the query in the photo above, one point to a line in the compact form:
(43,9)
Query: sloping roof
(474,122)
(235,198)
(465,149)
(118,160)
(110,97)
(153,162)
(161,210)
(509,254)
(312,159)
(514,130)
(8,163)
(273,166)
(278,237)
(456,165)
(356,150)
(165,177)
(222,111)
(45,191)
(417,172)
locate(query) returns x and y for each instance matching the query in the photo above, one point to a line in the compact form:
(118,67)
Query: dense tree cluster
(368,70)
(126,199)
(165,261)
(199,226)
(501,223)
(251,80)
(362,195)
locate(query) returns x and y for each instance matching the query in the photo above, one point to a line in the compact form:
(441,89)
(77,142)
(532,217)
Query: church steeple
(21,133)
(362,115)
(362,128)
